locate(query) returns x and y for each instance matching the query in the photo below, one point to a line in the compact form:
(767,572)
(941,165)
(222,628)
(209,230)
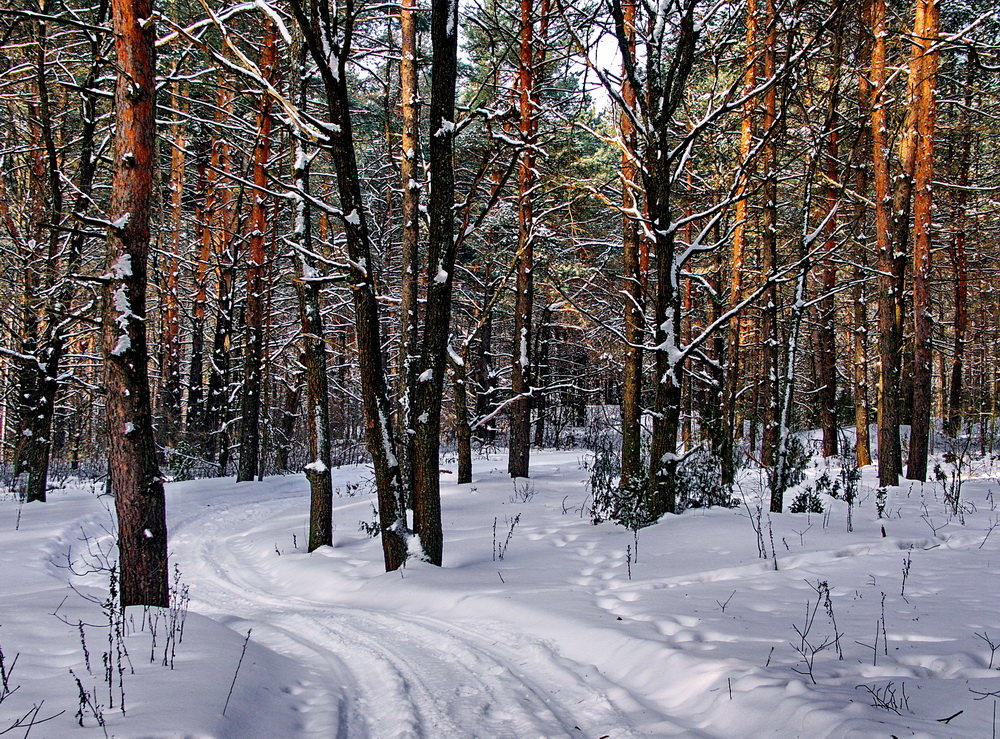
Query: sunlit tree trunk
(631,464)
(253,359)
(925,33)
(409,267)
(135,478)
(170,366)
(737,265)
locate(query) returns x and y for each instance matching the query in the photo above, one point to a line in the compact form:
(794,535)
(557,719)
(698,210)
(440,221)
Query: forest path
(370,670)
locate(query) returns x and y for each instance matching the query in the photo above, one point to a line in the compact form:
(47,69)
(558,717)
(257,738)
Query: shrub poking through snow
(700,482)
(807,501)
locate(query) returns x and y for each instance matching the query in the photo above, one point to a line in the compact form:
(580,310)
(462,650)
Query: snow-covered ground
(539,624)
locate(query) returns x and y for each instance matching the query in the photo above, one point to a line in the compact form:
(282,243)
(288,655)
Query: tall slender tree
(134,475)
(924,66)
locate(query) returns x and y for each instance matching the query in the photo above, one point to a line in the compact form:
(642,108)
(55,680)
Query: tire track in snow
(385,674)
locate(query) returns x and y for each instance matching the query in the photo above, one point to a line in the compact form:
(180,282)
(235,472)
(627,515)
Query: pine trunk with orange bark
(253,358)
(738,261)
(409,268)
(170,363)
(631,463)
(134,475)
(924,66)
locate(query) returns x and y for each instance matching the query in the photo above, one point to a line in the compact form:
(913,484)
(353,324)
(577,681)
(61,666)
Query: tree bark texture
(440,279)
(325,39)
(134,475)
(925,64)
(520,409)
(253,358)
(632,376)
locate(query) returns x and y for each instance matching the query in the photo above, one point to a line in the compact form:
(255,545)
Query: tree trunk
(737,267)
(134,475)
(222,244)
(826,338)
(196,370)
(770,387)
(960,267)
(409,268)
(631,464)
(862,446)
(286,424)
(330,56)
(925,64)
(440,271)
(486,379)
(542,373)
(520,408)
(890,265)
(463,424)
(253,358)
(170,365)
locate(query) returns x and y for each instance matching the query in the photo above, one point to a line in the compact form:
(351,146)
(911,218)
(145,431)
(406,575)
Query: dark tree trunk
(542,373)
(196,371)
(890,267)
(826,338)
(440,271)
(666,86)
(463,423)
(770,390)
(324,37)
(307,290)
(484,368)
(286,424)
(40,379)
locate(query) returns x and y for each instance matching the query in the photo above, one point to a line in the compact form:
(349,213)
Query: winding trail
(383,673)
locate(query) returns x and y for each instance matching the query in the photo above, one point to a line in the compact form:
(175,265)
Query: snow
(446,128)
(122,345)
(576,630)
(123,265)
(353,218)
(316,466)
